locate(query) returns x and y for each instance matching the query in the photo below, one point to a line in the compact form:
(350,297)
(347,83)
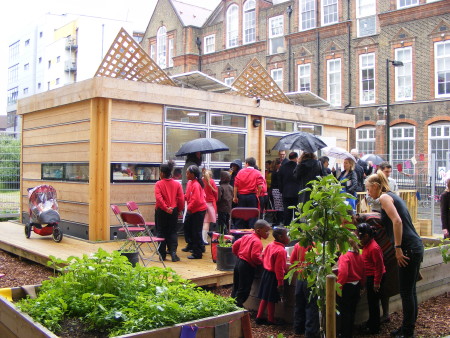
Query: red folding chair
(124,228)
(271,211)
(133,207)
(134,219)
(245,214)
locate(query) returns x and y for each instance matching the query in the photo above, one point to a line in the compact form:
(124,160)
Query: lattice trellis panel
(127,60)
(255,81)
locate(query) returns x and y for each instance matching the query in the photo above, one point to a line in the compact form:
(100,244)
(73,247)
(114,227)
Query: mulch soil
(433,320)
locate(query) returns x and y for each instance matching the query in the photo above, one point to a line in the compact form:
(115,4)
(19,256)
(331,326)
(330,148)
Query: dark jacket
(288,184)
(234,173)
(359,177)
(225,197)
(306,171)
(351,186)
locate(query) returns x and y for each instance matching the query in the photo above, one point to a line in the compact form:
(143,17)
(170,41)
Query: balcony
(71,44)
(70,66)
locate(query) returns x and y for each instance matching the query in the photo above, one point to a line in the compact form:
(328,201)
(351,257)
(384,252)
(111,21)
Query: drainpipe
(349,49)
(198,42)
(318,62)
(289,12)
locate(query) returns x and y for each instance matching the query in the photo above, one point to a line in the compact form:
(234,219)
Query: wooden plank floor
(38,248)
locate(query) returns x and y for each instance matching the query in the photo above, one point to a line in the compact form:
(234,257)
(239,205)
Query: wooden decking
(37,248)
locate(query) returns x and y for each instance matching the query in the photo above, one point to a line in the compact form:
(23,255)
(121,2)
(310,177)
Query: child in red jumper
(196,209)
(248,250)
(272,279)
(351,276)
(374,270)
(169,203)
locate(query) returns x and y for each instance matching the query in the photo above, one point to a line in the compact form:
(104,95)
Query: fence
(9,174)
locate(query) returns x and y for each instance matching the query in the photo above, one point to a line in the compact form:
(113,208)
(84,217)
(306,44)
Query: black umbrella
(300,140)
(375,159)
(202,145)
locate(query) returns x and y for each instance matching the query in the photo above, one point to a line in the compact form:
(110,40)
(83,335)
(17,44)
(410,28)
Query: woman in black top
(408,245)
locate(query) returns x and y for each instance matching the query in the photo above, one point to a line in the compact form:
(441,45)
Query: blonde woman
(351,185)
(408,245)
(212,194)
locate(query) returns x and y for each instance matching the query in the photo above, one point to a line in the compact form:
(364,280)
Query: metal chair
(134,219)
(271,211)
(133,207)
(242,213)
(136,231)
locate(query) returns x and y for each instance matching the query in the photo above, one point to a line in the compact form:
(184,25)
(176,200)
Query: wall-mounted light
(258,101)
(256,123)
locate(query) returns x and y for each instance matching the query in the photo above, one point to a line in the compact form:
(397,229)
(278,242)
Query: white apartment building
(56,51)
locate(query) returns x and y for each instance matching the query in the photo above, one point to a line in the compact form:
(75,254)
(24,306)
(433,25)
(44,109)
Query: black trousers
(243,277)
(193,225)
(166,227)
(306,312)
(223,219)
(288,213)
(347,307)
(373,300)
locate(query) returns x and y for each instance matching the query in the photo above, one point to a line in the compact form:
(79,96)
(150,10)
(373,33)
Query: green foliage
(445,250)
(318,223)
(10,162)
(223,242)
(106,292)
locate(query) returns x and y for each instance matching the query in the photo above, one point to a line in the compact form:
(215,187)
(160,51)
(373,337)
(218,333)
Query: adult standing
(277,198)
(247,188)
(191,159)
(351,185)
(445,209)
(196,210)
(282,156)
(408,247)
(169,202)
(386,168)
(308,169)
(362,168)
(235,166)
(289,186)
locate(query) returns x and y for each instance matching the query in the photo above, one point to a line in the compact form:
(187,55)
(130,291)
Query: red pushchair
(44,216)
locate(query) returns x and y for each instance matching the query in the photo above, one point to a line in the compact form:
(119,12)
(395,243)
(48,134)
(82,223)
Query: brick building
(342,51)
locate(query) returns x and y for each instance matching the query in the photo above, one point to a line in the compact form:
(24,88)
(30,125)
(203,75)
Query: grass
(9,201)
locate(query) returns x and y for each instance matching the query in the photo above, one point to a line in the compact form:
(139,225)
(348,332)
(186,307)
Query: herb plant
(106,292)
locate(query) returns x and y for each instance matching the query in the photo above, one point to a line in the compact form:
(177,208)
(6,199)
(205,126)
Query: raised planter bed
(436,281)
(14,323)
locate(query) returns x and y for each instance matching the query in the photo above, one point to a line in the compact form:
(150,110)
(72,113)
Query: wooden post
(331,306)
(99,169)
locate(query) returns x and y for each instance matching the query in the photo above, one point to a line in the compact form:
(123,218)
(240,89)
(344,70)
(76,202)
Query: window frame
(161,47)
(363,80)
(299,77)
(412,4)
(366,145)
(302,13)
(406,154)
(372,14)
(440,154)
(339,102)
(279,71)
(436,70)
(323,6)
(206,44)
(232,20)
(407,64)
(249,23)
(272,36)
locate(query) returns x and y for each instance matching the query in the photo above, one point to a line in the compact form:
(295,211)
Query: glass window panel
(304,78)
(161,42)
(365,140)
(234,141)
(402,147)
(249,21)
(65,171)
(186,116)
(176,137)
(232,26)
(329,12)
(307,14)
(334,82)
(134,172)
(442,62)
(280,125)
(228,120)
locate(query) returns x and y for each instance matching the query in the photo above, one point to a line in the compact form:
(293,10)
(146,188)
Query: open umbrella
(202,145)
(375,159)
(340,153)
(300,140)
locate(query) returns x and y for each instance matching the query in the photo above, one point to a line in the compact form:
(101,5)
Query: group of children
(357,269)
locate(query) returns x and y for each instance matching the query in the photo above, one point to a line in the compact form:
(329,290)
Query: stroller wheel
(57,234)
(27,230)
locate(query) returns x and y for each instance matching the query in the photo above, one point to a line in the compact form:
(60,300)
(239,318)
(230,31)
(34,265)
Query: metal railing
(9,175)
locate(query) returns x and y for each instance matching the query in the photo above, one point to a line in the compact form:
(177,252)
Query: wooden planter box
(14,323)
(436,281)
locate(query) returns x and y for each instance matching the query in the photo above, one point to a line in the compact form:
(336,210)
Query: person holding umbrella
(196,210)
(191,159)
(308,168)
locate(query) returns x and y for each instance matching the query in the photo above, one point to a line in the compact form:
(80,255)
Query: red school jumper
(373,261)
(274,260)
(249,248)
(169,194)
(248,180)
(195,197)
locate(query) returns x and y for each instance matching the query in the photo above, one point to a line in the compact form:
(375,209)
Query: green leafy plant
(445,250)
(318,223)
(223,242)
(106,292)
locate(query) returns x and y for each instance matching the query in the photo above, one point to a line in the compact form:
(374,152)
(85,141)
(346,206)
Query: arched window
(161,41)
(439,144)
(232,26)
(249,21)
